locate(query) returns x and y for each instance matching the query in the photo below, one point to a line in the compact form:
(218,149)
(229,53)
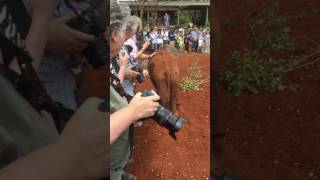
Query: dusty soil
(272,136)
(159,156)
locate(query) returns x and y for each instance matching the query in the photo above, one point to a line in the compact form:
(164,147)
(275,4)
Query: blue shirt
(171,35)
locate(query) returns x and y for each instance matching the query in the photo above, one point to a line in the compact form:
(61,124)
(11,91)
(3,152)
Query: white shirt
(154,37)
(132,42)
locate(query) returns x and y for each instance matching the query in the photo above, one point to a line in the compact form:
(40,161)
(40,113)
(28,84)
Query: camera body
(97,51)
(137,68)
(165,118)
(140,77)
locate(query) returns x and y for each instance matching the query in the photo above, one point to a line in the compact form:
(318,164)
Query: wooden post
(179,16)
(148,16)
(207,16)
(216,124)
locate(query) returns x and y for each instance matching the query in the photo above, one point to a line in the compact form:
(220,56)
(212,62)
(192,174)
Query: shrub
(194,79)
(254,73)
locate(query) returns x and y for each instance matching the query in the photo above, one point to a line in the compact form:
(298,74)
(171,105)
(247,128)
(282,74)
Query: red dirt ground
(272,136)
(157,155)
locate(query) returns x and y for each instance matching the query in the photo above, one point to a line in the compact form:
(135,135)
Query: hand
(131,74)
(123,58)
(154,53)
(76,60)
(65,40)
(42,8)
(146,45)
(144,106)
(146,73)
(86,137)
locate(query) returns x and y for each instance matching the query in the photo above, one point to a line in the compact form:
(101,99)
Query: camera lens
(165,118)
(179,123)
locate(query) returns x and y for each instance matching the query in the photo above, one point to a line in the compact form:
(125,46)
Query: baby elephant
(164,74)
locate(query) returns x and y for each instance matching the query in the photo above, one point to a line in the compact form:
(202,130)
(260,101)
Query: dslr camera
(88,22)
(140,77)
(165,118)
(137,68)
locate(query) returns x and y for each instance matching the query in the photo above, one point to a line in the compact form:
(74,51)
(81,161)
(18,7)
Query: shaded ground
(273,136)
(157,155)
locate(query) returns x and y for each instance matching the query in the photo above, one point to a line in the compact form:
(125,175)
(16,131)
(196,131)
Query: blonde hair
(132,23)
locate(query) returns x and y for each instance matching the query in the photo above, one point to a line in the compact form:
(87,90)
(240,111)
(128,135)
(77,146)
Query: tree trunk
(217,131)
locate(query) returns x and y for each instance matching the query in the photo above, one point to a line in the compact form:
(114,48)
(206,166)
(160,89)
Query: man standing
(166,20)
(195,36)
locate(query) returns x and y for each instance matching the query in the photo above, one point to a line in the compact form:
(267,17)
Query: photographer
(134,26)
(122,114)
(64,43)
(30,148)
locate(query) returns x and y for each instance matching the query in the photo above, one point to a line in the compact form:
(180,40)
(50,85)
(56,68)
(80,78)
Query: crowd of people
(187,40)
(126,106)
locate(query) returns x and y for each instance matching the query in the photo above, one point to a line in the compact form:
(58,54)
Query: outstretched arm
(41,13)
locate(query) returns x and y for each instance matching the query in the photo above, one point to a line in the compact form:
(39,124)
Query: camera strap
(13,30)
(115,65)
(115,83)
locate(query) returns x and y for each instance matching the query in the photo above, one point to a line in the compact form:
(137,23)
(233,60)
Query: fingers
(77,46)
(82,37)
(154,97)
(135,73)
(66,18)
(123,55)
(138,94)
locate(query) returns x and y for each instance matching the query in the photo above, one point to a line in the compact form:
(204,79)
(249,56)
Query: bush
(189,84)
(194,80)
(256,69)
(254,73)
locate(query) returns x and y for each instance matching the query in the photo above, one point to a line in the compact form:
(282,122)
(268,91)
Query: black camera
(88,22)
(165,118)
(140,77)
(137,68)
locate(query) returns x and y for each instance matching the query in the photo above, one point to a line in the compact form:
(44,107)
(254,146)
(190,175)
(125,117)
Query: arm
(83,143)
(128,73)
(35,46)
(139,107)
(119,121)
(141,51)
(51,162)
(41,12)
(143,57)
(123,60)
(148,57)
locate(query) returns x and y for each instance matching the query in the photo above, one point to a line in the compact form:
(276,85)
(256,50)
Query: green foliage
(271,31)
(254,73)
(195,71)
(184,17)
(256,69)
(194,80)
(189,84)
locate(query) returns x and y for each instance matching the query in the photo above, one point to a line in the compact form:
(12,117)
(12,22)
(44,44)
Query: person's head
(119,14)
(134,26)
